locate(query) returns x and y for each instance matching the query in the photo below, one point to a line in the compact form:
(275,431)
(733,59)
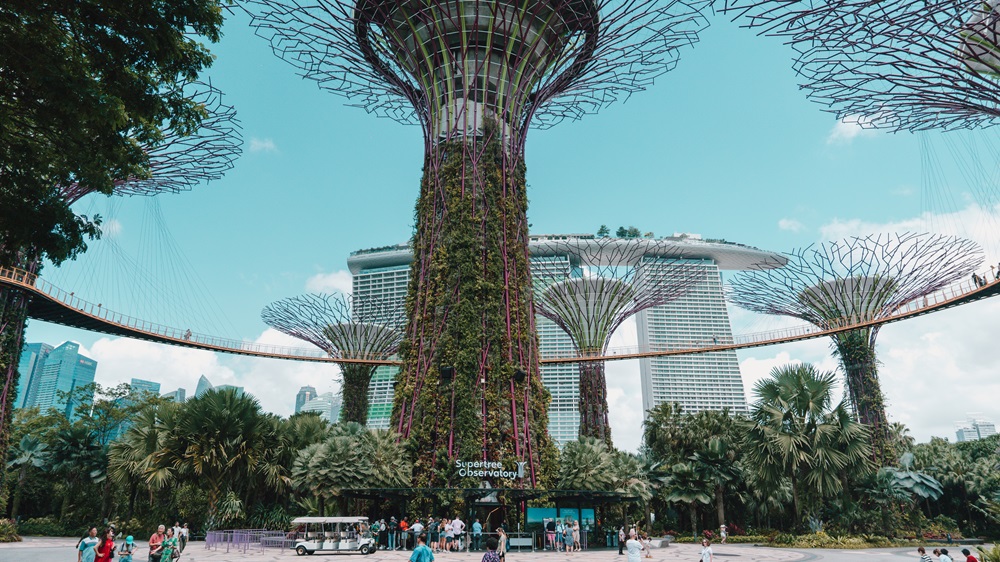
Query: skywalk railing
(186,337)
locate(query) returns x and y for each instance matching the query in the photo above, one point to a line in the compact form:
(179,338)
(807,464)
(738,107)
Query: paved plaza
(61,550)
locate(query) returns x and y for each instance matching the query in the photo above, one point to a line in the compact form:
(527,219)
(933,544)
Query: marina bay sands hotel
(707,381)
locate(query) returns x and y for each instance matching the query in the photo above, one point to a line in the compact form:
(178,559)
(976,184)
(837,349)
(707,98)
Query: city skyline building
(178,396)
(62,371)
(203,386)
(305,394)
(697,382)
(974,429)
(328,405)
(30,367)
(141,385)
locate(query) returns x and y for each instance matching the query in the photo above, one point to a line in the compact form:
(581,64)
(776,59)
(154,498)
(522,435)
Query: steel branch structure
(475,75)
(858,279)
(345,328)
(898,65)
(613,280)
(178,162)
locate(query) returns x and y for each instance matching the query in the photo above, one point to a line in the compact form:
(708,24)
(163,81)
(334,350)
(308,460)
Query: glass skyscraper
(306,393)
(62,370)
(30,368)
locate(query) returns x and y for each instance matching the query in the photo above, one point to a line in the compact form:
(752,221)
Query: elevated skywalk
(52,304)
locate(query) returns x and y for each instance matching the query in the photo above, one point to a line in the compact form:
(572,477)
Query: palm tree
(586,464)
(795,433)
(138,457)
(717,465)
(390,462)
(75,454)
(31,453)
(685,485)
(220,440)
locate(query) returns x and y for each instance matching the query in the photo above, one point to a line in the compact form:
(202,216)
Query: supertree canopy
(899,64)
(346,328)
(179,161)
(858,280)
(612,279)
(475,75)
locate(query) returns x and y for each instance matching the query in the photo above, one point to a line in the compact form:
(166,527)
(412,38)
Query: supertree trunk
(856,350)
(594,402)
(469,309)
(13,321)
(357,378)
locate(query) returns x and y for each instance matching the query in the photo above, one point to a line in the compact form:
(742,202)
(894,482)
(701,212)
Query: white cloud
(111,228)
(262,145)
(337,281)
(790,225)
(625,391)
(853,126)
(273,382)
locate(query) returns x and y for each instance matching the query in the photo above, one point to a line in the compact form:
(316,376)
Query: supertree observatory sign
(489,469)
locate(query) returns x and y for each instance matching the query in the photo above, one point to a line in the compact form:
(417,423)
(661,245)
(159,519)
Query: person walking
(183,539)
(156,544)
(420,552)
(943,557)
(723,533)
(168,547)
(968,556)
(621,539)
(501,544)
(477,535)
(706,551)
(85,549)
(127,550)
(924,557)
(105,549)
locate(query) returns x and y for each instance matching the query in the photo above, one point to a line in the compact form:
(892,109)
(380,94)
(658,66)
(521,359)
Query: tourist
(722,533)
(568,534)
(477,535)
(706,551)
(168,547)
(968,556)
(85,548)
(105,549)
(943,556)
(442,533)
(501,544)
(156,544)
(550,533)
(404,530)
(924,557)
(491,554)
(559,535)
(458,529)
(393,527)
(416,529)
(420,551)
(177,531)
(621,539)
(127,550)
(449,535)
(185,535)
(634,547)
(576,536)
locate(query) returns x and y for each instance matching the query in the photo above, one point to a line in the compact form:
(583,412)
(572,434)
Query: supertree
(178,162)
(612,279)
(475,74)
(345,327)
(855,281)
(897,65)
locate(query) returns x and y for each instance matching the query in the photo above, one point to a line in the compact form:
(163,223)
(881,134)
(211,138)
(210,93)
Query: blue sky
(725,145)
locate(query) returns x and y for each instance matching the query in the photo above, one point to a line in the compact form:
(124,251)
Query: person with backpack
(393,529)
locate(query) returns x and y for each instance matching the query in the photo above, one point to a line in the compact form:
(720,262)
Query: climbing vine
(354,392)
(856,350)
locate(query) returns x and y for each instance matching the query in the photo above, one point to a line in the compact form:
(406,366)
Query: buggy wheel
(300,550)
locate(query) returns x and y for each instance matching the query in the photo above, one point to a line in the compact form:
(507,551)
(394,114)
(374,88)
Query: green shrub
(991,555)
(8,531)
(44,527)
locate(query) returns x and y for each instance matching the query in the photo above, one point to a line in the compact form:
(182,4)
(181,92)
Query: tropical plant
(390,462)
(586,464)
(796,434)
(687,486)
(30,453)
(717,465)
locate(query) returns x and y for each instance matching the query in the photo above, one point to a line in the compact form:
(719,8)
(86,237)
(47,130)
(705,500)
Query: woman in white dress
(706,551)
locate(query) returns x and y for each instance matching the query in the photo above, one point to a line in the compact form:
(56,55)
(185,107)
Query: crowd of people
(943,556)
(563,535)
(442,534)
(165,545)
